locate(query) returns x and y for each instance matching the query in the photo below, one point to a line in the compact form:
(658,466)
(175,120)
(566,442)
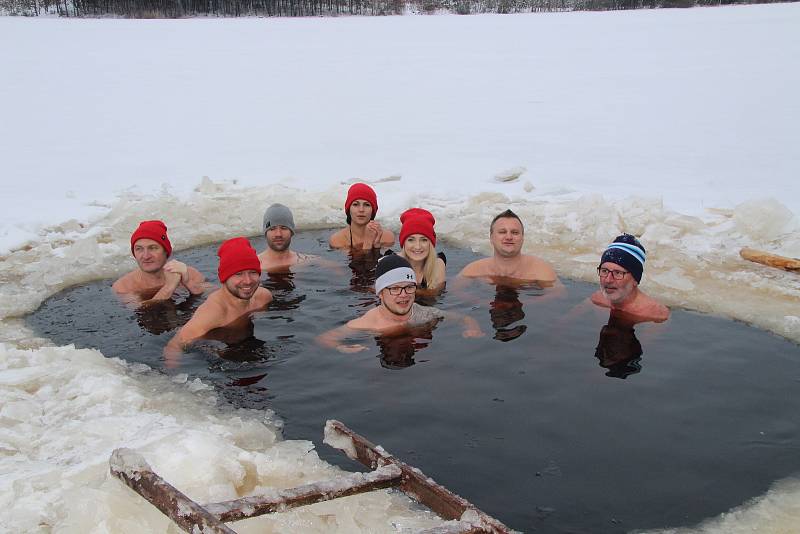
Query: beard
(279,247)
(241,294)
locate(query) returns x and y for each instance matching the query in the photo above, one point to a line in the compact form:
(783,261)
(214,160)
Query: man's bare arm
(199,325)
(173,280)
(471,326)
(332,339)
(128,294)
(195,282)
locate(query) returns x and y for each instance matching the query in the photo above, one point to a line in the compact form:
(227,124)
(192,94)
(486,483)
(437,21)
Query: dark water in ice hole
(524,422)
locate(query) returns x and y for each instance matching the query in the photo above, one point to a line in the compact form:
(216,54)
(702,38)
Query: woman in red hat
(362,231)
(418,242)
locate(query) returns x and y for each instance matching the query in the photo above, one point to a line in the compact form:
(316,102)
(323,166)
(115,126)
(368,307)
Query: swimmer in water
(230,306)
(507,236)
(156,279)
(279,229)
(620,270)
(362,231)
(418,242)
(396,285)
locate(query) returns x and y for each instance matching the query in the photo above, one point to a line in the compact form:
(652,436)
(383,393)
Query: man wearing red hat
(362,231)
(156,278)
(230,306)
(507,236)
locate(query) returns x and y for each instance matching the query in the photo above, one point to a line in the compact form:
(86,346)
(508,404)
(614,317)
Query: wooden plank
(415,484)
(772,260)
(280,500)
(130,467)
(454,527)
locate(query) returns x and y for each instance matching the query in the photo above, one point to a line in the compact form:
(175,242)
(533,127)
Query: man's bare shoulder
(598,298)
(261,298)
(212,304)
(538,269)
(126,283)
(653,310)
(480,267)
(365,322)
(194,273)
(210,314)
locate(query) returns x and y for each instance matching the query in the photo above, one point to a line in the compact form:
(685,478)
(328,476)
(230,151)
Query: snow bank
(64,410)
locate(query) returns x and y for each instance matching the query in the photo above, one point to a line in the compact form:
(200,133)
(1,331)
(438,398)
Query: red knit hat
(417,221)
(236,255)
(361,191)
(155,230)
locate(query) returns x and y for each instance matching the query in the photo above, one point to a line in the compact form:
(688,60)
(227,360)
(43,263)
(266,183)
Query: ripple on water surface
(557,420)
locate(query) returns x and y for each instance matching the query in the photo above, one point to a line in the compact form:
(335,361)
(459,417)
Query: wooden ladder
(387,472)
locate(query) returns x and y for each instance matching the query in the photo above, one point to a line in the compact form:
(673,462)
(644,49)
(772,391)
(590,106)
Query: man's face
(361,212)
(149,255)
(616,291)
(243,285)
(506,237)
(399,304)
(279,238)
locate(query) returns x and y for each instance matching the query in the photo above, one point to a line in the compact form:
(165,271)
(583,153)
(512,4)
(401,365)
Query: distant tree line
(308,8)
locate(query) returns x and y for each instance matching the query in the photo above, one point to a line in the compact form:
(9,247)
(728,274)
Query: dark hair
(508,214)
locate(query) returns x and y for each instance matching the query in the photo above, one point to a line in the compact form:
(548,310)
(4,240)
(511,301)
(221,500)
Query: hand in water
(471,328)
(472,332)
(350,349)
(172,359)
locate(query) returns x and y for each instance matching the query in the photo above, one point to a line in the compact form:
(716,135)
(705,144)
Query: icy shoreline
(99,404)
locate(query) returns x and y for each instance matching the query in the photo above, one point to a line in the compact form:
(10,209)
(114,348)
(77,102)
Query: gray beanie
(278,215)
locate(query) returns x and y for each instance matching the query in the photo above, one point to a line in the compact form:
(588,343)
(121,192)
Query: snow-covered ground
(680,126)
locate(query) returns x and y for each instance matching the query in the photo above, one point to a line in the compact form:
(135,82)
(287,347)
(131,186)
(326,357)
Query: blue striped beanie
(627,252)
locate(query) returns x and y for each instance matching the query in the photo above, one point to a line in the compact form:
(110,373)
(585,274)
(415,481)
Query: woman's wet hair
(507,214)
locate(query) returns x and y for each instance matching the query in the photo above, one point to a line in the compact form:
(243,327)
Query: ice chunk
(339,441)
(762,219)
(510,175)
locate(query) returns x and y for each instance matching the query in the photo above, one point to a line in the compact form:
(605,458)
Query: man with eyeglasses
(396,286)
(620,271)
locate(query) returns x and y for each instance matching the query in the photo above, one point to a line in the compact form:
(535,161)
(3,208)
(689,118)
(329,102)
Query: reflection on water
(618,349)
(284,296)
(362,265)
(166,315)
(504,311)
(250,349)
(397,352)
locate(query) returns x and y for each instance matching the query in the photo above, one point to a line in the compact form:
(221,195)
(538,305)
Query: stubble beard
(279,248)
(236,292)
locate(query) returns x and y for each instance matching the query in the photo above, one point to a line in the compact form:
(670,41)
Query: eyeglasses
(618,275)
(396,290)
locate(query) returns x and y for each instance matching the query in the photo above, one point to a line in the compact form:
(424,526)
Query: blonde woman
(418,246)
